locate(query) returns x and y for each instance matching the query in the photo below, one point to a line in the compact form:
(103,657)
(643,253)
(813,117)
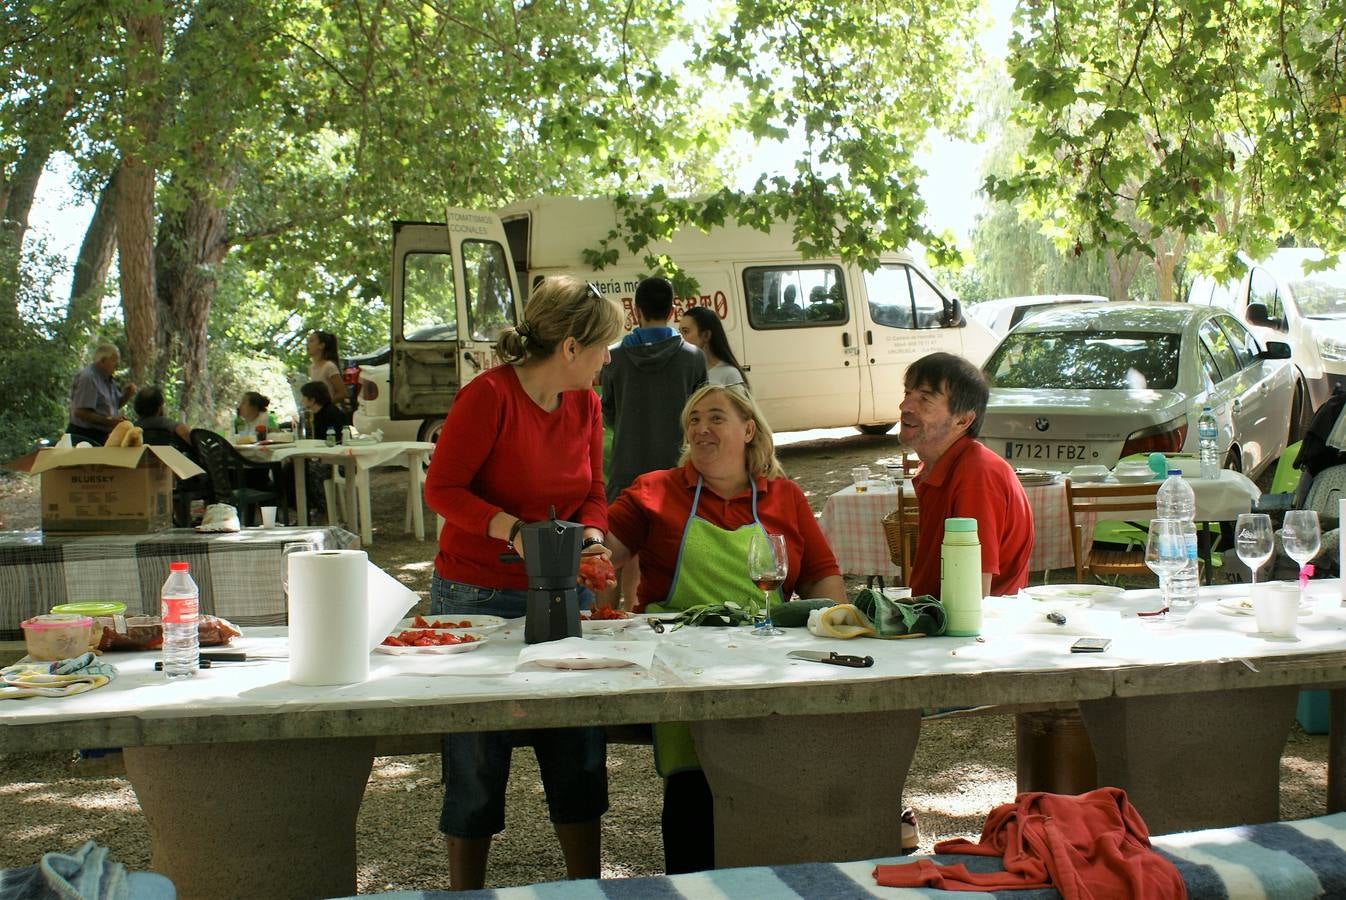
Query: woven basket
(892,531)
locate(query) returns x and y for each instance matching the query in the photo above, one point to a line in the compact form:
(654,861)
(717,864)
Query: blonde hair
(560,307)
(760,454)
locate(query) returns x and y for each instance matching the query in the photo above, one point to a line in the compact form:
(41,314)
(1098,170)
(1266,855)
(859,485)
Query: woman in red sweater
(521,438)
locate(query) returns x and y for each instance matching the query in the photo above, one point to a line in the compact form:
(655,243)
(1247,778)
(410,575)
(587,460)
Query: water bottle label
(179,610)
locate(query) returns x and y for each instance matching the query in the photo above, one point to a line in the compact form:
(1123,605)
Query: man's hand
(128,391)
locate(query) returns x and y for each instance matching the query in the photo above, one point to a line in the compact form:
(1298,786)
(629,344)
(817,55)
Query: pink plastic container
(57,635)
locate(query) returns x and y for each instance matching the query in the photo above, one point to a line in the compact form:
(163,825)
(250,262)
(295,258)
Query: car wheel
(1300,412)
(1233,460)
(430,429)
(881,428)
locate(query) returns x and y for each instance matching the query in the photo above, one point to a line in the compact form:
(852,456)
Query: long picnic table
(251,784)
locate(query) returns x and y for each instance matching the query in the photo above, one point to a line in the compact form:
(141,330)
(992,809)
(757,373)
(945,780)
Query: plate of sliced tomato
(429,640)
(477,624)
(605,619)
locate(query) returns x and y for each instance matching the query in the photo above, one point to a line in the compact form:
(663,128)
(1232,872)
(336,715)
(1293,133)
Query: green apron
(719,571)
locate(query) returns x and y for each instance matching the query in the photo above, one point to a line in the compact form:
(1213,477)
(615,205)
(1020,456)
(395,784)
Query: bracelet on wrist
(590,542)
(514,532)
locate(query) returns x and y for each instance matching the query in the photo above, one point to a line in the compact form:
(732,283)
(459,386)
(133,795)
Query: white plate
(437,650)
(1080,594)
(588,625)
(1086,474)
(480,624)
(1242,607)
(1036,480)
(1134,477)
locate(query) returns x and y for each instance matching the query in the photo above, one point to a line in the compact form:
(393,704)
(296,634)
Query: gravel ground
(963,766)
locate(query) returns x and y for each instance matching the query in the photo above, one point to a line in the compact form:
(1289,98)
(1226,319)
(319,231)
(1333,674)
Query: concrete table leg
(1336,751)
(792,789)
(271,819)
(1187,761)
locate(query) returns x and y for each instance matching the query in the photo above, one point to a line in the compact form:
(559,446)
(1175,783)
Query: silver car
(1094,383)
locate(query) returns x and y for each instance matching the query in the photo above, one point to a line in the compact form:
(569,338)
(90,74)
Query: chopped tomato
(596,572)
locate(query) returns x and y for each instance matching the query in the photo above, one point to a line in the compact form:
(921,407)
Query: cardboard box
(109,490)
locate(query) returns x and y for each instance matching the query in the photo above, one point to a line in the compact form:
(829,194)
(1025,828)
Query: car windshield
(1321,295)
(1093,360)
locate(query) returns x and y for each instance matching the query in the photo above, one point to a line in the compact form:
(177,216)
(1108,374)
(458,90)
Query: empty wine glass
(286,549)
(1301,537)
(1166,551)
(1253,540)
(768,564)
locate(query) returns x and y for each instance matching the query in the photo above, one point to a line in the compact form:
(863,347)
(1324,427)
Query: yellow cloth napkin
(55,679)
(841,621)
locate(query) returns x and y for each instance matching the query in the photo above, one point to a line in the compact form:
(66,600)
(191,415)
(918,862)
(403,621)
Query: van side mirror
(1257,315)
(953,314)
(1275,350)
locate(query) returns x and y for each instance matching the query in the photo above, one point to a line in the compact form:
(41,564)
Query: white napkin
(578,653)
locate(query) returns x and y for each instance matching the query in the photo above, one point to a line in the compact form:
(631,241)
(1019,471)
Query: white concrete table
(358,460)
(1189,720)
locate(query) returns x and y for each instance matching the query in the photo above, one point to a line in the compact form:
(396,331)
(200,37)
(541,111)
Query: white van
(1279,301)
(824,343)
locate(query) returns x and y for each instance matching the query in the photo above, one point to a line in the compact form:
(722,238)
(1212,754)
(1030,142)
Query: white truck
(825,344)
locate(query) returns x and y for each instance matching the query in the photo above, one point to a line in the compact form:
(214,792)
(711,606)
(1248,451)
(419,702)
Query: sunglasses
(594,291)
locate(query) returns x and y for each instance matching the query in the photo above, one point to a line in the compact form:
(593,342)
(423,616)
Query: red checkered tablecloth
(853,523)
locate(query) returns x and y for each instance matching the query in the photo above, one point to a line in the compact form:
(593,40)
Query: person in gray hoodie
(650,377)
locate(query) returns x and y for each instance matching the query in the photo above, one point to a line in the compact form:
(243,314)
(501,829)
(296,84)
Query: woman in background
(253,411)
(325,367)
(317,400)
(520,439)
(701,328)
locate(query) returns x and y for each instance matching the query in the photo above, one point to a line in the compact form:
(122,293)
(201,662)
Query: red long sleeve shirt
(499,450)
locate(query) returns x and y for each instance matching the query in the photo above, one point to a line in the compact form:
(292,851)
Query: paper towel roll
(329,617)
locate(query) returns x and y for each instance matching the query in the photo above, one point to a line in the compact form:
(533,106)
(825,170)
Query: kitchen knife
(836,659)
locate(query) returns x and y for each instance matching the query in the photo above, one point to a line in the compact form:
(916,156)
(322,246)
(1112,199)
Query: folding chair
(1108,501)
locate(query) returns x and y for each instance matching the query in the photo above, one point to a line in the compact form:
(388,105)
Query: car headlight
(1332,348)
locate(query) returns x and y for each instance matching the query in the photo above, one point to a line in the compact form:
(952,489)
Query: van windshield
(1321,295)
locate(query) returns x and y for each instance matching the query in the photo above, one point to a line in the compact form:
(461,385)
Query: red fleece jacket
(1091,847)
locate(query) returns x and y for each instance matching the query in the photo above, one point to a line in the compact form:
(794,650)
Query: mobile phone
(1091,645)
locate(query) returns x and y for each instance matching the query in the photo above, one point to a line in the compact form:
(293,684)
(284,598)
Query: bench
(1284,860)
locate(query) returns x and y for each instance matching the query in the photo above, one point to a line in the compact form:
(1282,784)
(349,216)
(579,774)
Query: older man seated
(95,399)
(941,415)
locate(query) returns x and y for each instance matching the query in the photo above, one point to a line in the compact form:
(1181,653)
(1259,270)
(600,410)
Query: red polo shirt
(649,518)
(969,481)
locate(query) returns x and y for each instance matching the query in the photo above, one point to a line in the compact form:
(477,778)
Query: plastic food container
(91,608)
(57,636)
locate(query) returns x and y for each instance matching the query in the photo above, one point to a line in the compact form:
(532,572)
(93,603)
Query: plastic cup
(1276,609)
(860,475)
(268,516)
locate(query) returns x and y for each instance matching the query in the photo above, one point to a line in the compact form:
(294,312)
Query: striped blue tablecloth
(1281,860)
(238,573)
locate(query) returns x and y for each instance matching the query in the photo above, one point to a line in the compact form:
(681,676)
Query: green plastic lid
(92,608)
(957,524)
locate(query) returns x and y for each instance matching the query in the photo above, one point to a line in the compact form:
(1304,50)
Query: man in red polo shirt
(941,413)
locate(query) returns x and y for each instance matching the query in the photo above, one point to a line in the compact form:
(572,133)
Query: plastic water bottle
(1208,434)
(331,436)
(179,613)
(1176,500)
(960,577)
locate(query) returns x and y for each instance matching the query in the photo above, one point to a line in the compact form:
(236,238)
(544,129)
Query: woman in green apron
(691,526)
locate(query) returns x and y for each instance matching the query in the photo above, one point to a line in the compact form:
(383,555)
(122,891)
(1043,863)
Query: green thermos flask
(960,577)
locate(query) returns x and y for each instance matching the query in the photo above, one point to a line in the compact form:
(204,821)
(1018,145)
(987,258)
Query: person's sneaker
(911,832)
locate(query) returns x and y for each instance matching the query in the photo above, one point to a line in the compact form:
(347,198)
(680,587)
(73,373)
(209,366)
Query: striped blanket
(1284,860)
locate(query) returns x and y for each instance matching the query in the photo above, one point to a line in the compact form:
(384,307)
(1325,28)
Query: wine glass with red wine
(767,565)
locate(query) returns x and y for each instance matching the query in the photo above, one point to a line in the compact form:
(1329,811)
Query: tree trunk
(94,260)
(191,245)
(135,192)
(18,203)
